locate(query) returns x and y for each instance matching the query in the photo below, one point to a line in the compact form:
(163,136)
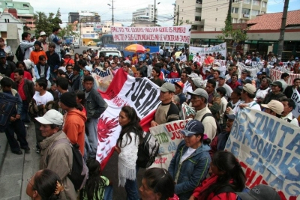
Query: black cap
(277,83)
(69,99)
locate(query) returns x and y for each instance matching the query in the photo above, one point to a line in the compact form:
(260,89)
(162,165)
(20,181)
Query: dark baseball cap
(192,127)
(260,192)
(199,92)
(277,83)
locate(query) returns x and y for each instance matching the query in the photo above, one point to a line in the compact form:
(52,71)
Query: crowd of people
(60,95)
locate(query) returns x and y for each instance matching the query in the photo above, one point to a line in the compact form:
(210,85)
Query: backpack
(79,173)
(19,54)
(219,129)
(147,150)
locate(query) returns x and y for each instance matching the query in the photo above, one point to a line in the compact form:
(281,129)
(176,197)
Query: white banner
(178,34)
(168,136)
(103,78)
(296,98)
(221,48)
(268,150)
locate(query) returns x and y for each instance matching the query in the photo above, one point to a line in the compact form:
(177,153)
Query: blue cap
(193,127)
(222,76)
(259,73)
(2,54)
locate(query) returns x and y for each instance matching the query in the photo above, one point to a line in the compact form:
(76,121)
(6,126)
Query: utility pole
(178,15)
(282,29)
(112,13)
(154,21)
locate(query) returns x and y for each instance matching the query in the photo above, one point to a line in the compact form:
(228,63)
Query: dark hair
(133,125)
(42,82)
(94,182)
(88,78)
(81,95)
(25,35)
(62,82)
(55,29)
(76,68)
(52,44)
(222,90)
(291,103)
(237,91)
(61,72)
(283,75)
(296,79)
(213,82)
(20,62)
(160,181)
(157,70)
(233,176)
(234,74)
(82,63)
(42,57)
(19,71)
(6,82)
(45,184)
(206,141)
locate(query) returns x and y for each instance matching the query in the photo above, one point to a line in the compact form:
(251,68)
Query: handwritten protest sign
(296,98)
(103,78)
(168,136)
(268,149)
(178,34)
(276,75)
(221,48)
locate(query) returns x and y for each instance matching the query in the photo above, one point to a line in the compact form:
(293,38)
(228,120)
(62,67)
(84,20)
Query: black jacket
(8,68)
(94,104)
(28,88)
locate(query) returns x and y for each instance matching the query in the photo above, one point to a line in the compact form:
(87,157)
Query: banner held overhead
(179,34)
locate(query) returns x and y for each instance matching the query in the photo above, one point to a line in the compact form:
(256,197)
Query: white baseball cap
(51,117)
(42,33)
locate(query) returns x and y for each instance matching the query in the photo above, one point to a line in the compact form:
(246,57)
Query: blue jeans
(108,193)
(24,114)
(92,137)
(132,190)
(20,130)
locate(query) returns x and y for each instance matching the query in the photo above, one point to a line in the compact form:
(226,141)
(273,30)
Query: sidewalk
(15,170)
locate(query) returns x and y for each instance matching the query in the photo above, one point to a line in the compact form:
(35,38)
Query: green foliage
(46,23)
(67,31)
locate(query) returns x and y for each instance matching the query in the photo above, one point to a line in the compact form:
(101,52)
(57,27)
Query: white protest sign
(221,48)
(296,98)
(103,78)
(268,150)
(178,34)
(168,136)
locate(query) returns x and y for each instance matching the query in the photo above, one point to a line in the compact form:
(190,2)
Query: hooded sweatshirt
(74,127)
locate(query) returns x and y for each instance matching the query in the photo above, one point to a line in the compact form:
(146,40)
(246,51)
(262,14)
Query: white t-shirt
(42,100)
(188,152)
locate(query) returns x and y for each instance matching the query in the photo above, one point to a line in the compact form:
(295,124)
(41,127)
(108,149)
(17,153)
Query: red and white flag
(139,93)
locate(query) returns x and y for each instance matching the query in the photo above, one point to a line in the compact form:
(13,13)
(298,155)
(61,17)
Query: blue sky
(277,5)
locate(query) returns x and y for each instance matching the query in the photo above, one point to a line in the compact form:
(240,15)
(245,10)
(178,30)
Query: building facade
(145,14)
(73,16)
(24,11)
(206,15)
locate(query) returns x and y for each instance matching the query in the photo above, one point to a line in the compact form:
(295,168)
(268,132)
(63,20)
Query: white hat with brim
(51,117)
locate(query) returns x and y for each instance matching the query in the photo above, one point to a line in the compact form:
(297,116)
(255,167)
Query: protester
(21,65)
(56,150)
(190,164)
(178,91)
(157,184)
(6,67)
(74,120)
(37,52)
(45,184)
(56,40)
(260,192)
(222,83)
(248,94)
(263,90)
(274,108)
(222,92)
(288,106)
(26,45)
(227,178)
(167,111)
(96,186)
(127,147)
(42,69)
(155,76)
(275,94)
(15,124)
(53,61)
(291,88)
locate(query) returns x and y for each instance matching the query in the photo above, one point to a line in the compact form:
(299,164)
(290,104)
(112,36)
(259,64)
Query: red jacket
(206,184)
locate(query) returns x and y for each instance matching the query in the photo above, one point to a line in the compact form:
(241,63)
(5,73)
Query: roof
(272,21)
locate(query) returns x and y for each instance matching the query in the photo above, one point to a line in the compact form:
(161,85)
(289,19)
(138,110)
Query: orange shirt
(34,56)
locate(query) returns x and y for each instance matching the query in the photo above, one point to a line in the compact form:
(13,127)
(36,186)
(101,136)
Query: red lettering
(169,128)
(176,127)
(181,125)
(250,175)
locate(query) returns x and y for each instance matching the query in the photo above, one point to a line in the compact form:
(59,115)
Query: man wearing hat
(274,108)
(199,100)
(248,95)
(56,150)
(222,83)
(178,91)
(259,192)
(34,55)
(6,67)
(167,111)
(74,120)
(276,93)
(42,39)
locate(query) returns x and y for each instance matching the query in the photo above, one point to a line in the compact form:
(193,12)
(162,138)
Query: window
(26,5)
(235,10)
(256,2)
(6,20)
(197,18)
(199,1)
(198,10)
(254,12)
(264,4)
(246,11)
(194,27)
(247,1)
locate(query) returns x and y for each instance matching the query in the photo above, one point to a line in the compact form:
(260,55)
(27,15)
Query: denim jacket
(94,104)
(192,171)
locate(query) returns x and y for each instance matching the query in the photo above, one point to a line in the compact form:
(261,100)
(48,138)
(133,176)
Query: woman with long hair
(157,183)
(106,65)
(44,185)
(94,188)
(190,164)
(127,146)
(227,178)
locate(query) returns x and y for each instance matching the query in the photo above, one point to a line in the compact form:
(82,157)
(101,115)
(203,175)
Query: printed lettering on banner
(178,34)
(168,136)
(102,78)
(221,48)
(139,93)
(296,98)
(268,149)
(172,80)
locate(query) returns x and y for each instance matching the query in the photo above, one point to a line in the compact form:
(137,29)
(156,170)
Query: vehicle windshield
(107,53)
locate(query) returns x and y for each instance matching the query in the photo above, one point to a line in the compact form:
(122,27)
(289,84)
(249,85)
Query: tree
(229,34)
(46,24)
(67,31)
